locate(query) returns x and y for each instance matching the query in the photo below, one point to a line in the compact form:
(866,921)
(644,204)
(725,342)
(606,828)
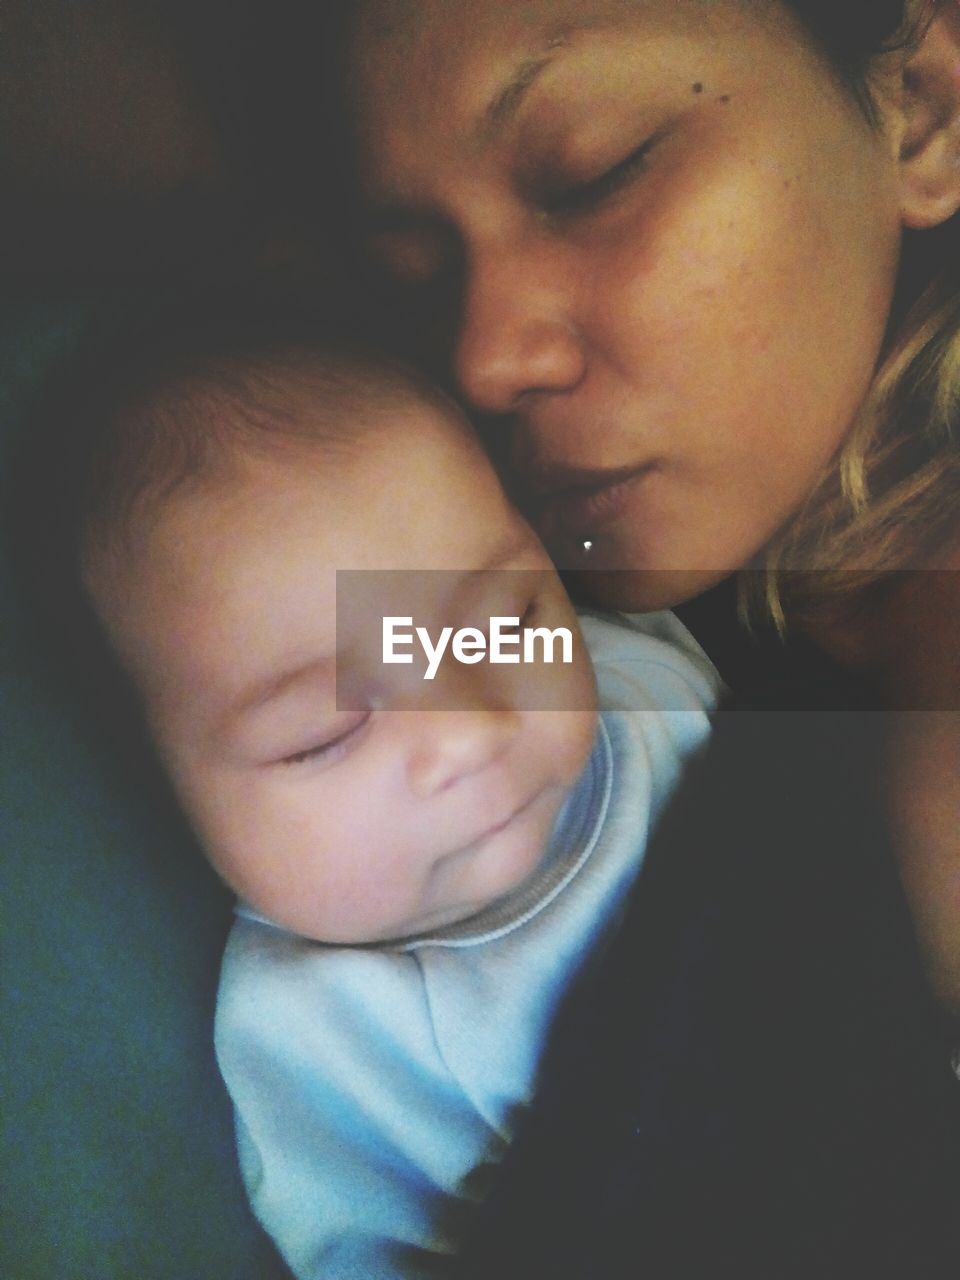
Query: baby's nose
(452,745)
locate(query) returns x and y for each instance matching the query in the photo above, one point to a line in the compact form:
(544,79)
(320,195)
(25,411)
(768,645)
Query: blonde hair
(891,496)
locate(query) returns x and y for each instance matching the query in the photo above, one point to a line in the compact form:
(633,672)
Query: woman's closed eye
(332,748)
(573,198)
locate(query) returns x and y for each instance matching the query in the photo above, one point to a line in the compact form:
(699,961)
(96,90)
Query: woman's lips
(569,513)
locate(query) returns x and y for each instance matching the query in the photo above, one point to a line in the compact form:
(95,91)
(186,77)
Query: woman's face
(673,238)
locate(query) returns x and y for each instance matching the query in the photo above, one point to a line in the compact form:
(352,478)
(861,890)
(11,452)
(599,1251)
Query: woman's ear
(929,108)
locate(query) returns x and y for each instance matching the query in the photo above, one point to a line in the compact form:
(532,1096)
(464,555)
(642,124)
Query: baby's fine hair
(201,384)
(150,406)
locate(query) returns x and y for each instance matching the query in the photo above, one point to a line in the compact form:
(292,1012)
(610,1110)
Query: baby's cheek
(573,738)
(589,722)
(256,837)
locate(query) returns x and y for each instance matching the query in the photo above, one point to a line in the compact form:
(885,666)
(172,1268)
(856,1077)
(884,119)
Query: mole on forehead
(545,30)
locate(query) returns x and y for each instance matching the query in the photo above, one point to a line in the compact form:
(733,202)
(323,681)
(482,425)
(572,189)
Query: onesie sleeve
(357,1151)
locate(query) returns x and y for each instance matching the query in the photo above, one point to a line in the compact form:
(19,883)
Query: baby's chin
(461,885)
(491,870)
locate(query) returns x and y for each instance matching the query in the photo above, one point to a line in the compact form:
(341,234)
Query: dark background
(125,164)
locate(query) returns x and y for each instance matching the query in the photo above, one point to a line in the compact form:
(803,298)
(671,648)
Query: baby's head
(227,485)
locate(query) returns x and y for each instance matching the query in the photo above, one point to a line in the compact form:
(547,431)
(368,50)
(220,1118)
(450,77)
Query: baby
(424,858)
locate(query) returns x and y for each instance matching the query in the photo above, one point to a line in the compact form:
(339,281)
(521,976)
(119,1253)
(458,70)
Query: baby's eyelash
(324,750)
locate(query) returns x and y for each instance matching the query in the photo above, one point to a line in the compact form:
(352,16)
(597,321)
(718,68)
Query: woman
(682,245)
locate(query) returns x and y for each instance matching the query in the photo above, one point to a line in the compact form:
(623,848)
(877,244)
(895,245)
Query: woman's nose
(517,330)
(451,745)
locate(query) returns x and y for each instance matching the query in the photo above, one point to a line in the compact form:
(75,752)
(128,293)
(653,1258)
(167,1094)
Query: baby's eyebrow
(263,690)
(266,689)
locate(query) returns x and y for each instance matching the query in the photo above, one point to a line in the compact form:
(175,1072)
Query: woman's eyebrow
(505,103)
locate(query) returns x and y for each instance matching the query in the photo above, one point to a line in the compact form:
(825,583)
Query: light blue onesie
(376,1087)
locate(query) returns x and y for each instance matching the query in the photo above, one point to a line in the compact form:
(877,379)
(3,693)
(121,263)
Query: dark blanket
(754,1080)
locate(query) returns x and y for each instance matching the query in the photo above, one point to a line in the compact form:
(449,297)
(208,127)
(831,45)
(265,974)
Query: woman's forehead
(414,55)
(456,73)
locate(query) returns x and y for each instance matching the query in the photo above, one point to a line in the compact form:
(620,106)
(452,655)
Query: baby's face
(423,800)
